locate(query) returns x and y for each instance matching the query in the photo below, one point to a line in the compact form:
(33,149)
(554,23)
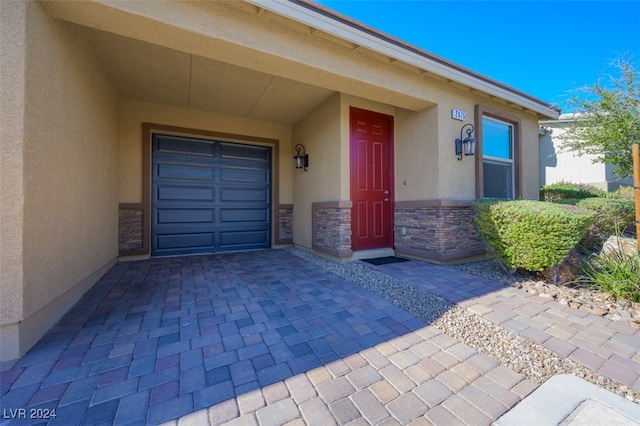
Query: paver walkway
(268,338)
(610,348)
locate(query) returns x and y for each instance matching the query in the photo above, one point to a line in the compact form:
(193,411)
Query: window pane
(498,180)
(497,139)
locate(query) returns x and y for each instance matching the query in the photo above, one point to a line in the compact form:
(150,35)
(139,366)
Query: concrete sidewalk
(268,338)
(569,400)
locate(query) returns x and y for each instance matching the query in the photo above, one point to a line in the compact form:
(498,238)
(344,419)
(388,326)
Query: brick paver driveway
(252,338)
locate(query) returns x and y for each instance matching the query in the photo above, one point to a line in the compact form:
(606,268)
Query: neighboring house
(132,129)
(558,166)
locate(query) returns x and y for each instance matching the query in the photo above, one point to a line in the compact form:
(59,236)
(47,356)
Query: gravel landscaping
(523,356)
(584,296)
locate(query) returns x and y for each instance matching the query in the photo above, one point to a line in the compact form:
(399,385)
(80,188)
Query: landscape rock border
(579,296)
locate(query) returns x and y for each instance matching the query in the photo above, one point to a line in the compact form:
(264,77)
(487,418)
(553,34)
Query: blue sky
(544,48)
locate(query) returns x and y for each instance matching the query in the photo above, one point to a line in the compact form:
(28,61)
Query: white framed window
(497,159)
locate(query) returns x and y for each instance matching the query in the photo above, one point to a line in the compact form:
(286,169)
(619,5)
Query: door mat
(385,260)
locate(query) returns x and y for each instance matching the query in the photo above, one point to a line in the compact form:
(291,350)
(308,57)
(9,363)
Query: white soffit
(311,15)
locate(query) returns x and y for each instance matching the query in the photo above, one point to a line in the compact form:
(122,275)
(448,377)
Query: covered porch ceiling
(264,60)
(157,74)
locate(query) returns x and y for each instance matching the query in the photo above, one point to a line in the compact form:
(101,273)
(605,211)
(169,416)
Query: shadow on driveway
(158,339)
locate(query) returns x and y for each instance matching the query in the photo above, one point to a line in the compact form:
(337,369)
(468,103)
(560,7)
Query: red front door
(371,180)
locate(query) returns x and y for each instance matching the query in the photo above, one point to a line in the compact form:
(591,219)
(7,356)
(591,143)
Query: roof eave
(331,22)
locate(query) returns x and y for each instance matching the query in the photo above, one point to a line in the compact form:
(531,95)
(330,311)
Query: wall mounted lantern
(466,145)
(301,158)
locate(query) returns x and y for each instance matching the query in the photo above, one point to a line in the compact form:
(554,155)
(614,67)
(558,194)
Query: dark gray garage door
(209,196)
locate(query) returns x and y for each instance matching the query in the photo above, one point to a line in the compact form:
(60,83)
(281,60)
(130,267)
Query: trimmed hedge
(612,216)
(531,235)
(564,190)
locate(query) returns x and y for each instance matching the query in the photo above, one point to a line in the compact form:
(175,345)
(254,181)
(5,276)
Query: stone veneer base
(437,230)
(331,228)
(441,231)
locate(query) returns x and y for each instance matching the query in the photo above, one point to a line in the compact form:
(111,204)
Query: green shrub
(571,201)
(622,193)
(531,235)
(612,216)
(616,273)
(486,226)
(562,190)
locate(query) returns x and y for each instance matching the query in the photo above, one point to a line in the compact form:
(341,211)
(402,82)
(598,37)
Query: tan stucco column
(58,173)
(12,79)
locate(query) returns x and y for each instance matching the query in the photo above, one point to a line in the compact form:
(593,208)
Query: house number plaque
(456,114)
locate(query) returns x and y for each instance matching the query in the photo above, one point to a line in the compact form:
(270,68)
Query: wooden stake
(635,152)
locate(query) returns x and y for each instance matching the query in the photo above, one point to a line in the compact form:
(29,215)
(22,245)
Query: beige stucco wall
(132,114)
(530,160)
(320,133)
(457,177)
(12,81)
(417,170)
(68,179)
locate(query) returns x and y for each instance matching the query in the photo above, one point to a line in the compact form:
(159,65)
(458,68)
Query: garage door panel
(185,193)
(245,195)
(169,216)
(186,240)
(209,196)
(230,215)
(234,239)
(180,145)
(243,175)
(184,171)
(236,151)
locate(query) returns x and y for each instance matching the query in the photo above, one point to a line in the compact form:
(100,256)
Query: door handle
(386,200)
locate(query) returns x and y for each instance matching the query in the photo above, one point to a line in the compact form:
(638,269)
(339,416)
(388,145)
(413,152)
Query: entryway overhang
(220,57)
